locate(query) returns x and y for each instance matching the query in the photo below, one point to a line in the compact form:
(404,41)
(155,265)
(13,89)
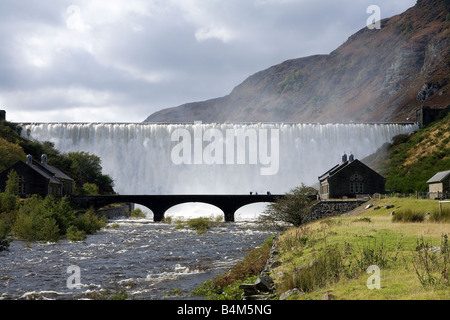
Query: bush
(4,235)
(432,266)
(137,213)
(408,216)
(8,202)
(89,189)
(26,224)
(89,222)
(443,216)
(202,224)
(47,229)
(73,234)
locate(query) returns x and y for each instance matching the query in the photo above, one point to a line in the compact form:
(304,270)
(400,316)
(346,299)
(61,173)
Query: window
(22,185)
(356,183)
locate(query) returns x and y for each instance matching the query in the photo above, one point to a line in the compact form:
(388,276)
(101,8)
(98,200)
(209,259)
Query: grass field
(332,255)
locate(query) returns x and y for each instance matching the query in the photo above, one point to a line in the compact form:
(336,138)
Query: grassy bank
(226,286)
(332,255)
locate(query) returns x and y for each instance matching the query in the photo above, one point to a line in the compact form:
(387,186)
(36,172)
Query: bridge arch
(250,211)
(194,210)
(159,204)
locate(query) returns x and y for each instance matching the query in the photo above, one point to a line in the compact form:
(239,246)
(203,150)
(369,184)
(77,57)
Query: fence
(415,195)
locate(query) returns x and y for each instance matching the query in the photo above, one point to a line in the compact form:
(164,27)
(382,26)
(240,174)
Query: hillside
(376,75)
(410,161)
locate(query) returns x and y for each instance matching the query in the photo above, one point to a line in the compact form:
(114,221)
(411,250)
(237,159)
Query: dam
(147,158)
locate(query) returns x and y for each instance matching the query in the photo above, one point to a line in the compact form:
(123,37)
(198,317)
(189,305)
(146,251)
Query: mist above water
(140,157)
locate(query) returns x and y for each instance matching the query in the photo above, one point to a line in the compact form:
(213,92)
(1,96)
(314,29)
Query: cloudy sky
(121,60)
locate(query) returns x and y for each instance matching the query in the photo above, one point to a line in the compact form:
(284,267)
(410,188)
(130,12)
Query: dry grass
(370,234)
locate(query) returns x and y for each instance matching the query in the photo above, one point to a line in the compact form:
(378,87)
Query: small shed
(439,185)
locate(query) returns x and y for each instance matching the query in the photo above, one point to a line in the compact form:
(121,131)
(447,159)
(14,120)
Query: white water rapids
(148,158)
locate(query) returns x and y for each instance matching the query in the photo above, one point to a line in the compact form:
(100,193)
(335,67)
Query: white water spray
(138,156)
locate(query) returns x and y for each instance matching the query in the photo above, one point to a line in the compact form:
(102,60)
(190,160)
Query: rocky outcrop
(263,288)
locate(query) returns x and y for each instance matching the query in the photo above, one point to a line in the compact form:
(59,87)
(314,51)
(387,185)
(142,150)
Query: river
(151,261)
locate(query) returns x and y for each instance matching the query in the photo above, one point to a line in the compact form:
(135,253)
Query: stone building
(439,185)
(427,115)
(39,178)
(350,179)
(2,115)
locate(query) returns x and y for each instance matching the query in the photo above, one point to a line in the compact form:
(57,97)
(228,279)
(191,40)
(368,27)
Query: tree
(89,189)
(87,168)
(10,153)
(293,208)
(12,184)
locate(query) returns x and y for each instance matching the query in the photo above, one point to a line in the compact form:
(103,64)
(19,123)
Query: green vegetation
(226,285)
(292,209)
(44,219)
(292,82)
(200,224)
(413,159)
(333,255)
(81,166)
(47,219)
(408,216)
(137,214)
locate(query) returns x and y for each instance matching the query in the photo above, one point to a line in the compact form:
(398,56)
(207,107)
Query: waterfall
(209,159)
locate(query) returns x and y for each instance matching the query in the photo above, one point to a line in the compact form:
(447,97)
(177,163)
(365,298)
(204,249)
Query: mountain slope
(411,160)
(376,75)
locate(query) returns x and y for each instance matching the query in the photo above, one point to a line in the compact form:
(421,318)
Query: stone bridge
(159,204)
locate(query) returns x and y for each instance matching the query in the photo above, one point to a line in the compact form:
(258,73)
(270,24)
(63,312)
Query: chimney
(44,159)
(351,157)
(344,158)
(29,160)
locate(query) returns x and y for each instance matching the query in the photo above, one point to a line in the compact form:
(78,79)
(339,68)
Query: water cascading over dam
(215,158)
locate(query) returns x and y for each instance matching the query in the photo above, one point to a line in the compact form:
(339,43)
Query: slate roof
(438,177)
(57,173)
(333,170)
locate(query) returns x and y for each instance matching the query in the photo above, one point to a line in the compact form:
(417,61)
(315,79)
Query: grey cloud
(146,62)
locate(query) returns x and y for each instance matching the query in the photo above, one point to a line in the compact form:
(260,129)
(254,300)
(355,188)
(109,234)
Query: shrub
(73,234)
(8,202)
(201,224)
(443,216)
(89,189)
(137,213)
(431,265)
(47,229)
(4,235)
(89,222)
(60,210)
(26,224)
(408,216)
